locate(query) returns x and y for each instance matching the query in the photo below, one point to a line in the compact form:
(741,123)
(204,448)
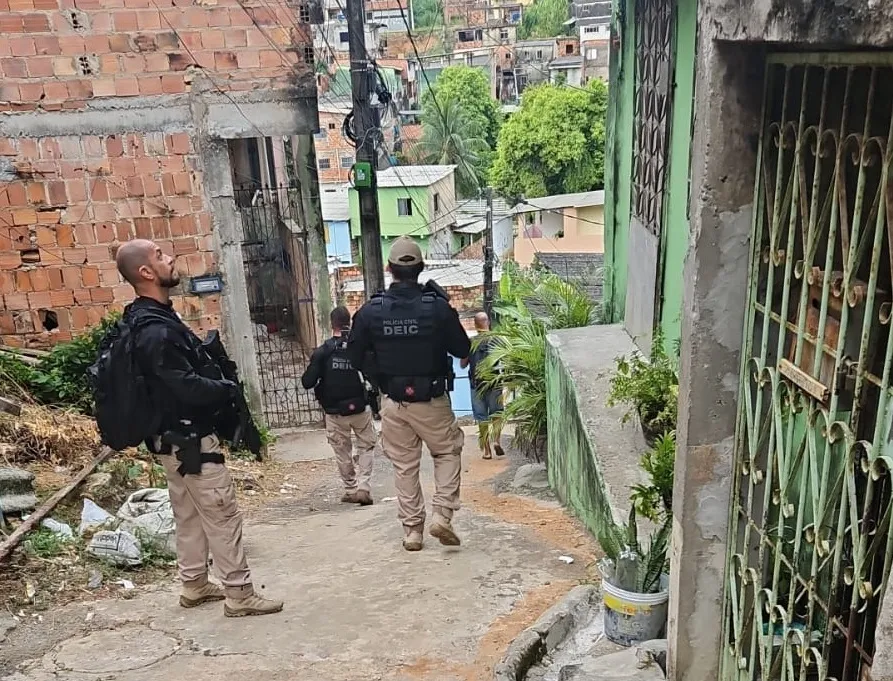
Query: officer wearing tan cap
(403,337)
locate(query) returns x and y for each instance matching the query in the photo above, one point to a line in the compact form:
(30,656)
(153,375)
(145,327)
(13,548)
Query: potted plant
(635,581)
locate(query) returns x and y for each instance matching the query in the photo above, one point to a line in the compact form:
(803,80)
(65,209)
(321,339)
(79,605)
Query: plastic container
(632,618)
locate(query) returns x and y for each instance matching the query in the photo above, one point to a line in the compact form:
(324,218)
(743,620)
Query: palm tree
(449,137)
(530,304)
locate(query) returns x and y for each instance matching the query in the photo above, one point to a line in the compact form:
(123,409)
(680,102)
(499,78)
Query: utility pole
(488,256)
(367,128)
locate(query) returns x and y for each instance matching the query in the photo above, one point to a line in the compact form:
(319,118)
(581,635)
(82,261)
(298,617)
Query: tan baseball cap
(405,251)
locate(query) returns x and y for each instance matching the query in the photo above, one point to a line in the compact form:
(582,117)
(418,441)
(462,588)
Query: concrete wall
(582,229)
(593,459)
(715,284)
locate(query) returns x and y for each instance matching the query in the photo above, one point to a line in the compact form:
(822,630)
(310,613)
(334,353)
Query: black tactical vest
(411,362)
(340,391)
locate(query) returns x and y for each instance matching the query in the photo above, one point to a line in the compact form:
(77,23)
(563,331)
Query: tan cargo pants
(208,518)
(404,427)
(355,469)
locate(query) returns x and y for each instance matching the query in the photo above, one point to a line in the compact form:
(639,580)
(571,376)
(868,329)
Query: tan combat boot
(251,604)
(442,529)
(193,595)
(413,540)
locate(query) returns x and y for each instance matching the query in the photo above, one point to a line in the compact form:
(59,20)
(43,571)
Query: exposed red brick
(23,281)
(16,301)
(61,298)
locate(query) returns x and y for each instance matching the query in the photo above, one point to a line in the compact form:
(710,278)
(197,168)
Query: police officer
(204,500)
(404,337)
(342,395)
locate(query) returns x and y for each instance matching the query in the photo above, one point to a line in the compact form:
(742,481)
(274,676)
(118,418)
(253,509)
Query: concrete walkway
(357,606)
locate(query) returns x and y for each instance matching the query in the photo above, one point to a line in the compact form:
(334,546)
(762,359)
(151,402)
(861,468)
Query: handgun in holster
(188,452)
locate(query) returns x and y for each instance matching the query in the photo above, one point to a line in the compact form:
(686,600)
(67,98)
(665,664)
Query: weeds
(44,543)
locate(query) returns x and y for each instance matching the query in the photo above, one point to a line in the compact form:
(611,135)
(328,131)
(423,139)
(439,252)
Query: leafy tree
(470,87)
(427,13)
(544,19)
(452,137)
(554,143)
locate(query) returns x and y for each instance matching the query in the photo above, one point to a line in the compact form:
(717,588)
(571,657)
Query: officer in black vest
(342,394)
(404,337)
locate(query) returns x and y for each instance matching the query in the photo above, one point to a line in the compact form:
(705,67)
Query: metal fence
(280,301)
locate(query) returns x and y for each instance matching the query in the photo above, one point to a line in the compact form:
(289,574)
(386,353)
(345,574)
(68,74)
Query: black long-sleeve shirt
(450,338)
(169,356)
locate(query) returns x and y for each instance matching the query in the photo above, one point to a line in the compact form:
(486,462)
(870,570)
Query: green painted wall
(619,170)
(393,224)
(676,224)
(619,163)
(573,467)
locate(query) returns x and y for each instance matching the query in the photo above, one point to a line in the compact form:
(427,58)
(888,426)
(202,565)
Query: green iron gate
(811,542)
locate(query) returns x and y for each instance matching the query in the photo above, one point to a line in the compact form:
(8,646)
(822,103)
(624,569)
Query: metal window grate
(280,300)
(811,542)
(654,22)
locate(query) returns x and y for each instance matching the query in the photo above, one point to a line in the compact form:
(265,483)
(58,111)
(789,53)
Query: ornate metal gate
(280,300)
(811,542)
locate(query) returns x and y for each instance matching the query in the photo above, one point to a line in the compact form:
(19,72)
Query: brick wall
(81,196)
(55,56)
(332,147)
(74,198)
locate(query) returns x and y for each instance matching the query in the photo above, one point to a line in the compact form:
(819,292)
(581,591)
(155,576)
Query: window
(332,126)
(436,203)
(369,16)
(539,55)
(344,37)
(308,55)
(324,164)
(592,54)
(347,161)
(503,34)
(404,207)
(569,48)
(304,13)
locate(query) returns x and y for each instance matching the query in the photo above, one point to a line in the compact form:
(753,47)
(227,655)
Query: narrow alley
(357,605)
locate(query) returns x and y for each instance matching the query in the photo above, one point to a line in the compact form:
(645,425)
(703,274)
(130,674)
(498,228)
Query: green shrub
(530,303)
(60,378)
(655,500)
(649,388)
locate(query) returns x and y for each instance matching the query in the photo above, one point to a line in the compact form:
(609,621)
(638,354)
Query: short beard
(170,282)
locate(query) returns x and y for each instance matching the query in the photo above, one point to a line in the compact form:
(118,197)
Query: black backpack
(124,409)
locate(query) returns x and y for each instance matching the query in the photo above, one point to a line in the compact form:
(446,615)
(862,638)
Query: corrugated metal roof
(335,202)
(580,200)
(413,176)
(464,273)
(585,270)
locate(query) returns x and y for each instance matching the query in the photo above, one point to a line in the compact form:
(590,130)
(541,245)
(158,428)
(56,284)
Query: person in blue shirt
(484,404)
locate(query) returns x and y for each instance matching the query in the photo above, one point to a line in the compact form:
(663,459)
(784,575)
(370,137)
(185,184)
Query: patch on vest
(341,364)
(400,327)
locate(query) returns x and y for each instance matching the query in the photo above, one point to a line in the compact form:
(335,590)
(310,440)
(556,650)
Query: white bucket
(632,618)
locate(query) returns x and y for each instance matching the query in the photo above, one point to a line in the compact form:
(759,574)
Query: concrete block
(16,491)
(531,476)
(622,666)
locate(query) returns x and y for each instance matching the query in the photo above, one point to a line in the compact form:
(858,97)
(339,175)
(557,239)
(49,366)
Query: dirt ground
(357,605)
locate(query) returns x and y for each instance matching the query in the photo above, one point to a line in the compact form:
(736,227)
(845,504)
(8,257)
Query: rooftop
(585,270)
(569,61)
(464,273)
(471,216)
(413,176)
(558,201)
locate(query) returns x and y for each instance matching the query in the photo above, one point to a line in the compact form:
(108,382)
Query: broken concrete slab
(549,632)
(621,666)
(17,491)
(531,476)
